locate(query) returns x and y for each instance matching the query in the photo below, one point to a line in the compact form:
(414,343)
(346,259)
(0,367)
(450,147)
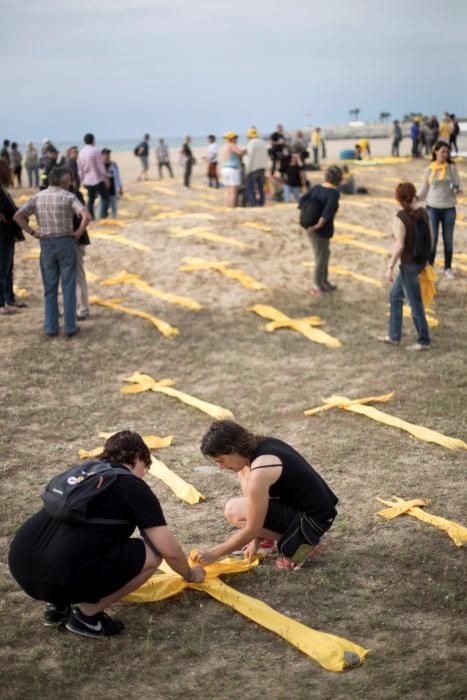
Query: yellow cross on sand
(207,234)
(457,533)
(301,325)
(357,406)
(181,488)
(222,266)
(117,238)
(162,326)
(124,277)
(112,222)
(331,652)
(144,382)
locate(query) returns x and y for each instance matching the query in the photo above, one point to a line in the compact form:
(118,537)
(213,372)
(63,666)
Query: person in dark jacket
(10,232)
(81,569)
(284,498)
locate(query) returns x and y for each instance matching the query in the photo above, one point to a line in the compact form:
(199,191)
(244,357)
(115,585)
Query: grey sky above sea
(170,67)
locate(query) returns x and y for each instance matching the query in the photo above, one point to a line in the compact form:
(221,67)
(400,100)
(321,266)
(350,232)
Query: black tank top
(299,485)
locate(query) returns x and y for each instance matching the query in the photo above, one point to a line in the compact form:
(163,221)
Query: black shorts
(282,518)
(94,580)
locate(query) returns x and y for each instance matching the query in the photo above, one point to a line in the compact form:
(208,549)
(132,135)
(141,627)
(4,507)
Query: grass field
(396,587)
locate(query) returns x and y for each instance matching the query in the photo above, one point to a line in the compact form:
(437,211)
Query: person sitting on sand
(407,284)
(80,570)
(284,498)
(347,185)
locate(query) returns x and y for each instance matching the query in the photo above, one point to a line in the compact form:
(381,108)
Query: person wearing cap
(231,174)
(256,164)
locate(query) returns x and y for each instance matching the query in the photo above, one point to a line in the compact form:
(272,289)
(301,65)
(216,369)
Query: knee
(231,512)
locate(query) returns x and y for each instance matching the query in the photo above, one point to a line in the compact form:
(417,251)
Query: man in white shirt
(212,161)
(256,164)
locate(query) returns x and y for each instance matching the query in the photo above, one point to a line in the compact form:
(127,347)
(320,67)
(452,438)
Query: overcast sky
(123,67)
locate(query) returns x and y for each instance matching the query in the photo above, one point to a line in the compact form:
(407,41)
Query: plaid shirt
(54,209)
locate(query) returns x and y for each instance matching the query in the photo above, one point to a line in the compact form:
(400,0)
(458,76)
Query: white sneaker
(449,274)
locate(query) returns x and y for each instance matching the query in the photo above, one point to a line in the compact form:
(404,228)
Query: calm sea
(119,145)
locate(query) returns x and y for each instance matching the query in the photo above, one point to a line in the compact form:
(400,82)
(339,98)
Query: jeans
(94,190)
(82,297)
(395,149)
(447,218)
(165,165)
(290,192)
(58,261)
(7,251)
(255,188)
(33,171)
(322,254)
(407,286)
(104,206)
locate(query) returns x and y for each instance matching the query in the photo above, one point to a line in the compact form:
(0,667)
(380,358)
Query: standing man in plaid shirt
(54,209)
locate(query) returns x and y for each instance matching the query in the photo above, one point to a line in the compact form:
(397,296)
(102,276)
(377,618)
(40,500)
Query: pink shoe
(284,563)
(267,546)
(316,291)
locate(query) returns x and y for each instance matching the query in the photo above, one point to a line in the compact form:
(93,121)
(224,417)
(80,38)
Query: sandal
(284,563)
(389,341)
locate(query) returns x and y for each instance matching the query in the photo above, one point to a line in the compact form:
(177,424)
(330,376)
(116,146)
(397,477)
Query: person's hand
(36,234)
(205,558)
(249,552)
(311,229)
(389,276)
(198,574)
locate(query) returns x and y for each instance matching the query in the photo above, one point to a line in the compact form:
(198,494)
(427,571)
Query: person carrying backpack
(78,555)
(412,247)
(318,207)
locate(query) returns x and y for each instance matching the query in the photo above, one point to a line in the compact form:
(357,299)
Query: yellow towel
(124,277)
(222,266)
(117,238)
(162,326)
(331,652)
(301,325)
(418,431)
(207,234)
(398,506)
(144,382)
(427,280)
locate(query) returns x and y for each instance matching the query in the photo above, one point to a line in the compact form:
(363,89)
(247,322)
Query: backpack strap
(122,471)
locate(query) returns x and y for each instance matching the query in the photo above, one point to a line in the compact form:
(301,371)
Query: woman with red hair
(407,285)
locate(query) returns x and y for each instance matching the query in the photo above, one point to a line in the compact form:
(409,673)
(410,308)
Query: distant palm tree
(354,113)
(384,115)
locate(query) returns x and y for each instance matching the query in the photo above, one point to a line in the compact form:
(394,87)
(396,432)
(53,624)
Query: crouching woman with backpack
(412,247)
(77,553)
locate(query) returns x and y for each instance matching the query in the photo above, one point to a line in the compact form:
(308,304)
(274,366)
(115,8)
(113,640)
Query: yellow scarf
(438,167)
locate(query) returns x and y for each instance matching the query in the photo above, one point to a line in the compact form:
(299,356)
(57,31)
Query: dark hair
(57,176)
(439,144)
(126,447)
(226,437)
(89,139)
(146,137)
(405,194)
(333,175)
(5,176)
(105,150)
(6,143)
(14,145)
(212,137)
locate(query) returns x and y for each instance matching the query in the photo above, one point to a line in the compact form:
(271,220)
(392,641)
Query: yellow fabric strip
(331,652)
(418,431)
(459,222)
(181,488)
(164,190)
(356,228)
(341,270)
(111,222)
(431,320)
(91,277)
(350,240)
(209,197)
(222,266)
(34,254)
(427,279)
(21,292)
(260,227)
(301,325)
(126,213)
(136,197)
(144,382)
(207,234)
(212,207)
(398,506)
(162,326)
(124,277)
(337,402)
(117,238)
(154,442)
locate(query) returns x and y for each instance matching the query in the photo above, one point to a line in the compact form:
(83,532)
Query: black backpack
(422,241)
(310,209)
(67,495)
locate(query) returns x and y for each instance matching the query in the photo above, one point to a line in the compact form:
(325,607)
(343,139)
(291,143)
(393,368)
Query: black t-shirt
(9,229)
(143,148)
(46,549)
(328,197)
(293,175)
(299,485)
